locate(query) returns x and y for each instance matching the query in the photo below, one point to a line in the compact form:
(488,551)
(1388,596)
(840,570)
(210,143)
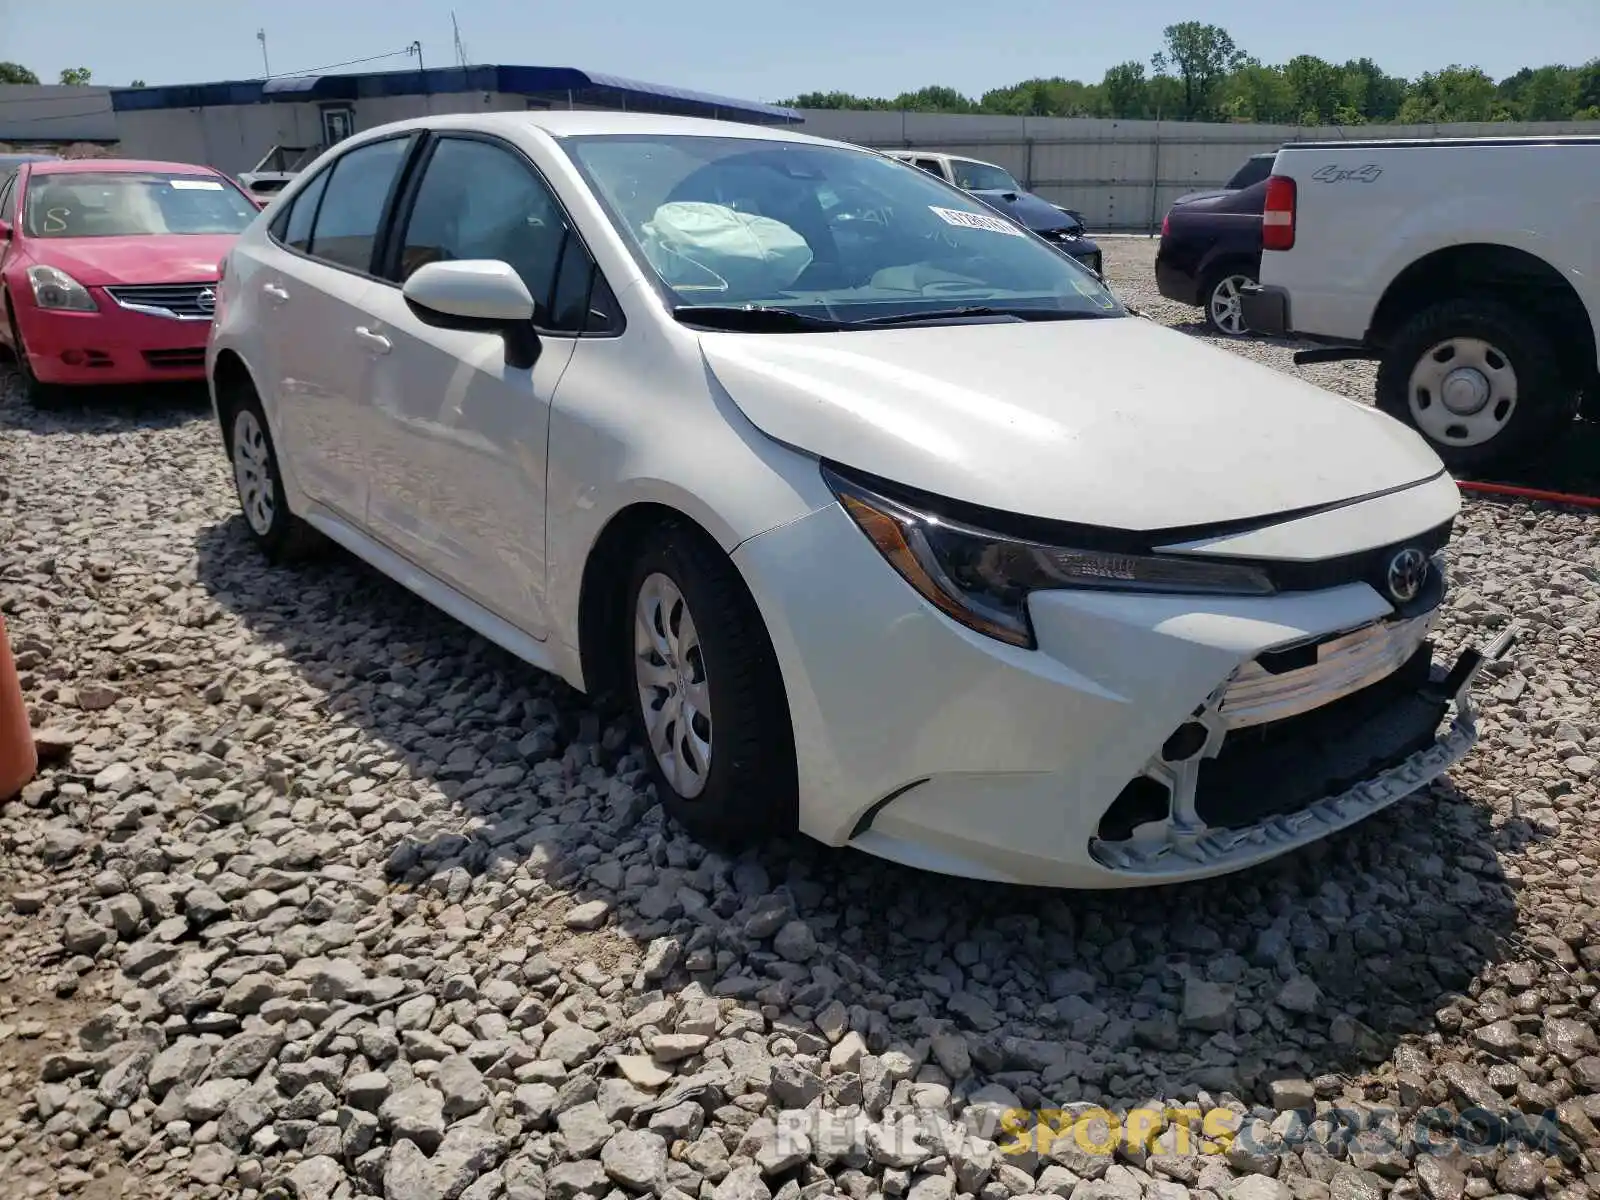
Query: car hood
(154,258)
(1117,423)
(1026,208)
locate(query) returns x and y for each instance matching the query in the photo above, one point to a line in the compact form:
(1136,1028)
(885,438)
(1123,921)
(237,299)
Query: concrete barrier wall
(1121,175)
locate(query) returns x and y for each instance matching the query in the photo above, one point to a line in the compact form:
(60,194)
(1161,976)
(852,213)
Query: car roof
(562,124)
(74,166)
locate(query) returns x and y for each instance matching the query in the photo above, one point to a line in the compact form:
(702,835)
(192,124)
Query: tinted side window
(353,201)
(6,190)
(294,227)
(479,200)
(1253,171)
(930,165)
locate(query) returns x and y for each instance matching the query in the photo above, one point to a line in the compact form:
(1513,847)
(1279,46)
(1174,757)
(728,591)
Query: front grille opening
(1284,766)
(1291,658)
(1142,801)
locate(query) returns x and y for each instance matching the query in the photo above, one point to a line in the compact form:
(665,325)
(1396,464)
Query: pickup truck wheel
(1224,309)
(1475,378)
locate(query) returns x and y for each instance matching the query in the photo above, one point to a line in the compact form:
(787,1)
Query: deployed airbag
(699,246)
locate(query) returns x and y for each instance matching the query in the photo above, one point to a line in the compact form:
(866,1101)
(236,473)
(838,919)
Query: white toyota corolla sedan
(887,519)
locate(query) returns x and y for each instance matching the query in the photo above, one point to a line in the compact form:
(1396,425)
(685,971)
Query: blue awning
(556,84)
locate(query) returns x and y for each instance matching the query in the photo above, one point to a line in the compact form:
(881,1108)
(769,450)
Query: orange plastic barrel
(18,758)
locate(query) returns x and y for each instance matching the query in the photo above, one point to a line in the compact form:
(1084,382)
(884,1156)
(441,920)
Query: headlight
(53,288)
(983,579)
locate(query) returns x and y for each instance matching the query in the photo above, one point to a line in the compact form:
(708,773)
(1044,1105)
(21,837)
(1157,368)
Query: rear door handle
(275,293)
(376,342)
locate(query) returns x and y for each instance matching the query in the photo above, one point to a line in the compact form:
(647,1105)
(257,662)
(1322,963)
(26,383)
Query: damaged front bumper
(1249,812)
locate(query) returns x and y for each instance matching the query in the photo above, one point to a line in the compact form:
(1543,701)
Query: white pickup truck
(1469,268)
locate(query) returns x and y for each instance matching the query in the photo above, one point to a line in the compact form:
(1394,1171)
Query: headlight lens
(983,579)
(55,289)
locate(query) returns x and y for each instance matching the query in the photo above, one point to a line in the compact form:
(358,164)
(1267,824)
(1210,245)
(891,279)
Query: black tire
(280,534)
(749,789)
(38,393)
(1544,399)
(1214,279)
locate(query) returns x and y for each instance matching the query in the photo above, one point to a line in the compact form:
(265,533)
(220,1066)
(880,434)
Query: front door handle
(274,293)
(376,342)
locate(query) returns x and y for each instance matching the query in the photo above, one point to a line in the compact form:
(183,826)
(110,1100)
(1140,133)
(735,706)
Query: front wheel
(1224,294)
(707,694)
(38,393)
(1477,379)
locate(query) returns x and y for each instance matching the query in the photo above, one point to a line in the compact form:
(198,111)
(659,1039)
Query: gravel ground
(321,896)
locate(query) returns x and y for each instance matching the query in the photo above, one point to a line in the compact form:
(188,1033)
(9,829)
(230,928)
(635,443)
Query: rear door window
(353,203)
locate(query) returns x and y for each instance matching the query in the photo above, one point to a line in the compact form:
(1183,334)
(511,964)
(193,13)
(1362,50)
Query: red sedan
(108,268)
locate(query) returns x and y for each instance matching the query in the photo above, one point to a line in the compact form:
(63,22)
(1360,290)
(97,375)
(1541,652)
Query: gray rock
(182,1062)
(1349,1183)
(795,942)
(585,1129)
(570,1045)
(317,1178)
(742,1183)
(244,1055)
(591,914)
(535,1102)
(211,1164)
(462,1083)
(637,1159)
(1208,1006)
(415,1113)
(1256,1187)
(570,1180)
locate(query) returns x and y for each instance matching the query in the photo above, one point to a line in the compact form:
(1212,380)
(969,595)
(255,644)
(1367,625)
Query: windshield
(827,231)
(982,177)
(131,203)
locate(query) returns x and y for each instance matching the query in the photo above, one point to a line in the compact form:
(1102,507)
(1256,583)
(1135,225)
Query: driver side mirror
(485,295)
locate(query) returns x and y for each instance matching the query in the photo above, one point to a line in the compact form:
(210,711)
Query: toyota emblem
(1408,571)
(206,301)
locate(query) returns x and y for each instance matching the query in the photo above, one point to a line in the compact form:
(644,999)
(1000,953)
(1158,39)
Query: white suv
(889,522)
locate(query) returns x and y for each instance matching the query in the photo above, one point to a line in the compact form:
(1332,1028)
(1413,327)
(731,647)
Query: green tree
(934,99)
(75,76)
(1043,98)
(1456,93)
(1202,55)
(11,72)
(1257,93)
(138,83)
(1545,94)
(1317,86)
(1370,92)
(1125,92)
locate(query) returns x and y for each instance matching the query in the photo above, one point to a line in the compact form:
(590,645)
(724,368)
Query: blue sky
(758,49)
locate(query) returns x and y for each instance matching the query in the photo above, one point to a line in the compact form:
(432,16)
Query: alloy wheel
(1226,304)
(674,693)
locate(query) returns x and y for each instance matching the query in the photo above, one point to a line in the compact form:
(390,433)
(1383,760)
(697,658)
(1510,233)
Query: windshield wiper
(753,318)
(982,310)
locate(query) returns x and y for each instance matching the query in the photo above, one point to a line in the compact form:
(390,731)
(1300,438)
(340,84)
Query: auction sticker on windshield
(972,220)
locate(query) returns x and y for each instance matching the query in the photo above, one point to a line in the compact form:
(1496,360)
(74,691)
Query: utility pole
(266,67)
(461,50)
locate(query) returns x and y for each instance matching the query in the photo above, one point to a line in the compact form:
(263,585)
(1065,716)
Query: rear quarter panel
(1364,214)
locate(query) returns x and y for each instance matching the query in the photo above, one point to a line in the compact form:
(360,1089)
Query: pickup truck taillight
(1277,218)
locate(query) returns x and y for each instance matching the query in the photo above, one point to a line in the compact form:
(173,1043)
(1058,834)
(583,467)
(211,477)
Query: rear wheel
(707,696)
(1224,290)
(259,482)
(1478,380)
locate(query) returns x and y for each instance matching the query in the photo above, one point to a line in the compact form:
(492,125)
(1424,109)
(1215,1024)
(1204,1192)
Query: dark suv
(1211,245)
